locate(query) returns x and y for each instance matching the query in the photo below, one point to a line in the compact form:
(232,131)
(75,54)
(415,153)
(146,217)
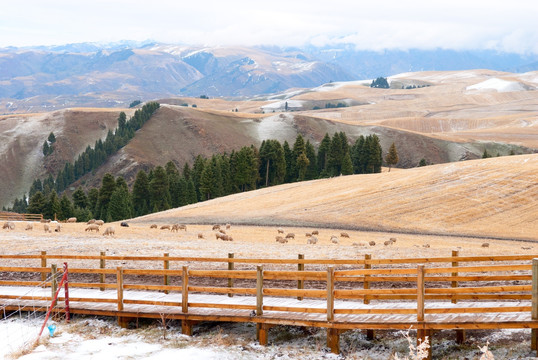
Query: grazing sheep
(58,228)
(153,226)
(485,245)
(281,240)
(372,243)
(312,240)
(280,230)
(92,221)
(315,232)
(45,220)
(175,227)
(165,227)
(308,234)
(223,237)
(387,243)
(9,225)
(182,227)
(526,248)
(29,226)
(393,240)
(109,231)
(92,227)
(426,245)
(228,226)
(334,239)
(72,220)
(46,227)
(290,236)
(344,234)
(201,236)
(222,231)
(100,222)
(215,227)
(124,224)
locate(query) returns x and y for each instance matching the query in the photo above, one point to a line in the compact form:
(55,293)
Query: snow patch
(498,85)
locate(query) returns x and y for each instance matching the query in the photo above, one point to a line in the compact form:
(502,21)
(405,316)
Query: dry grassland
(450,108)
(493,197)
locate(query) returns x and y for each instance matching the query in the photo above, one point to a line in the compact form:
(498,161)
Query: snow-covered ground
(498,85)
(93,338)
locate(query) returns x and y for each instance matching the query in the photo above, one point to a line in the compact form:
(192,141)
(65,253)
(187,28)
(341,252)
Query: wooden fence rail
(412,294)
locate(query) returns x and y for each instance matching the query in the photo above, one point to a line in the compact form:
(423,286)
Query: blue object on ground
(52,329)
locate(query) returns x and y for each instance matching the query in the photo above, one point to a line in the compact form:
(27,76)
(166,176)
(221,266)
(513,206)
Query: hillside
(22,138)
(457,117)
(482,198)
(37,79)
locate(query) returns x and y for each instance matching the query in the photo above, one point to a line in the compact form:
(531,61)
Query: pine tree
(207,182)
(141,194)
(323,156)
(80,199)
(46,148)
(37,203)
(159,190)
(288,157)
(485,155)
(52,206)
(119,207)
(66,208)
(392,156)
(302,165)
(93,198)
(108,185)
(347,165)
(52,138)
(312,169)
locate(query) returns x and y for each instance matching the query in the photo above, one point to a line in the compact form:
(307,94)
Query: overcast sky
(376,24)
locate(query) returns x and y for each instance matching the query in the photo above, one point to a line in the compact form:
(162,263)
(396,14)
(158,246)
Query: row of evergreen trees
(94,157)
(167,187)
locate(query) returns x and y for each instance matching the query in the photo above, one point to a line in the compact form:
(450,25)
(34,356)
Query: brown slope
(465,106)
(492,197)
(179,134)
(22,138)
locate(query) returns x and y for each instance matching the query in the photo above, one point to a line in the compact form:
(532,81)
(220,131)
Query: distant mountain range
(113,75)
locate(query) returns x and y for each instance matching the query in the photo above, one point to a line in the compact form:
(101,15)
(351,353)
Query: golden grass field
(457,206)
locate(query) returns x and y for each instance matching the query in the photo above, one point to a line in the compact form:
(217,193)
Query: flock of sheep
(311,237)
(48,226)
(221,232)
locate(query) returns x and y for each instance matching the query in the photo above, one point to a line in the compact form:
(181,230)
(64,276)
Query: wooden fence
(9,216)
(454,292)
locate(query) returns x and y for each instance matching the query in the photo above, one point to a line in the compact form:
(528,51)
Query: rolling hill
(493,198)
(456,117)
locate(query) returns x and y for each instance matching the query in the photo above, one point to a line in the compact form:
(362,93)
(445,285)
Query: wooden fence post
(370,334)
(300,283)
(460,333)
(330,293)
(185,290)
(366,283)
(422,333)
(43,265)
(534,309)
(119,286)
(231,266)
(166,265)
(259,290)
(102,265)
(455,253)
(53,282)
(420,293)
